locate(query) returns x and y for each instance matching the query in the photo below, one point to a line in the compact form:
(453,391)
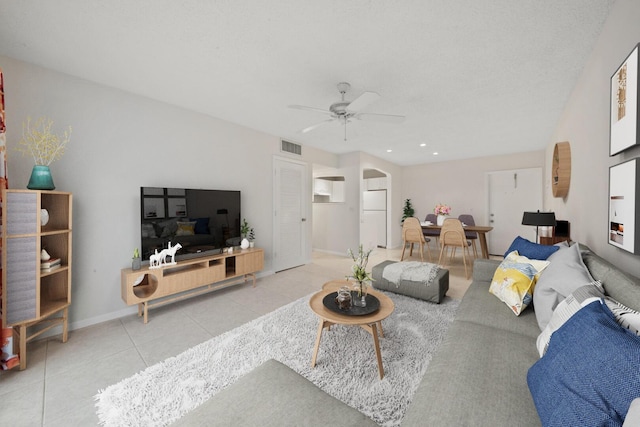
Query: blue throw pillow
(202,225)
(530,250)
(590,373)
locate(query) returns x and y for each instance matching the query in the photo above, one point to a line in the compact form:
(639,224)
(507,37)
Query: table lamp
(539,219)
(224,212)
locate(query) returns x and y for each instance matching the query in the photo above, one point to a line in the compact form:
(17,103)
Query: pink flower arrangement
(442,209)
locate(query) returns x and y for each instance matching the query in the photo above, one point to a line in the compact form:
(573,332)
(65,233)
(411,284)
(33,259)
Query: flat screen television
(202,221)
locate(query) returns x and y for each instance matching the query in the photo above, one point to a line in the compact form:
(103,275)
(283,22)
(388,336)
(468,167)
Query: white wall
(119,143)
(460,184)
(336,226)
(585,124)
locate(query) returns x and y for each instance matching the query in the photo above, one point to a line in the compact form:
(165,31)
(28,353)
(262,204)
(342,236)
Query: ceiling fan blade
(362,101)
(312,127)
(304,107)
(385,118)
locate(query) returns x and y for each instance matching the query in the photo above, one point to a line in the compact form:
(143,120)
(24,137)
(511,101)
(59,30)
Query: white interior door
(510,194)
(289,226)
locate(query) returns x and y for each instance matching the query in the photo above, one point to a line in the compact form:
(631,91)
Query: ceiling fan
(344,111)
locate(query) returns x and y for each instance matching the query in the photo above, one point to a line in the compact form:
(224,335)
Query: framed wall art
(624,198)
(624,105)
(177,207)
(153,207)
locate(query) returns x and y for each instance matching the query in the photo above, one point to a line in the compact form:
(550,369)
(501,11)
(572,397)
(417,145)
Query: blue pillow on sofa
(589,375)
(202,225)
(531,250)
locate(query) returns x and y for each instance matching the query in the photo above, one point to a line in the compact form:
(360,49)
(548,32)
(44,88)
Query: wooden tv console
(153,287)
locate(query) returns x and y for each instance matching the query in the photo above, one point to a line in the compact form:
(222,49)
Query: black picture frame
(624,105)
(624,201)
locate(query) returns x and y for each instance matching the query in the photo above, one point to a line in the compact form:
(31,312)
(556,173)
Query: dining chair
(472,236)
(433,218)
(411,234)
(452,236)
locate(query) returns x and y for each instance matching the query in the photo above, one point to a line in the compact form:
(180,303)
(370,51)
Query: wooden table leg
(146,312)
(253,276)
(376,345)
(317,346)
(483,245)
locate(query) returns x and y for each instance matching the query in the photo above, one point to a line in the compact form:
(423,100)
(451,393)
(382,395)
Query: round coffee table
(369,322)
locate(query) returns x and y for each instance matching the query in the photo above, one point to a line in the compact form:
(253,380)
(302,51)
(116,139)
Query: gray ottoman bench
(433,292)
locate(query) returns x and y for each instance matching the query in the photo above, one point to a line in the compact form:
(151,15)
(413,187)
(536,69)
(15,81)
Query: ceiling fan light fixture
(343,87)
(344,111)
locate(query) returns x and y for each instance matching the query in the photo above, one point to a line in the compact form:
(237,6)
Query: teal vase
(41,178)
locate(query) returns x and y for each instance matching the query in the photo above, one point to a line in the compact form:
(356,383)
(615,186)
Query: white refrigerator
(375,218)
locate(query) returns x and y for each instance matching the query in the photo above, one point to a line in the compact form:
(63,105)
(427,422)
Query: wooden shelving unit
(31,298)
(153,287)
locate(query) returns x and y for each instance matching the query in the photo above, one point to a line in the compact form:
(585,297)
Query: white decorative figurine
(158,260)
(44,255)
(44,217)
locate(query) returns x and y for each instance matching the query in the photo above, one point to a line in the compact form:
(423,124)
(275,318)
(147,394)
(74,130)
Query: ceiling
(473,77)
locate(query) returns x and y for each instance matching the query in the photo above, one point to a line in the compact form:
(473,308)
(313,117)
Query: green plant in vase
(407,211)
(244,231)
(135,260)
(45,147)
(360,275)
(244,228)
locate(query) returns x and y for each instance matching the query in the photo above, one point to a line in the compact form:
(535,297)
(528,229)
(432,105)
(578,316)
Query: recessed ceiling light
(389,151)
(423,145)
(435,153)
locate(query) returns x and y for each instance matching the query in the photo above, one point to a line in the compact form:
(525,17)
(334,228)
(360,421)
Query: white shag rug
(346,366)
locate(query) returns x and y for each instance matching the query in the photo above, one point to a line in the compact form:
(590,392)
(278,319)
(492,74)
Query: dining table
(482,231)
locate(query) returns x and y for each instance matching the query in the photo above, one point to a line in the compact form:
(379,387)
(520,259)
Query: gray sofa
(478,377)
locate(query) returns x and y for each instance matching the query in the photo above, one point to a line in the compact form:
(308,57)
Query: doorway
(510,194)
(374,224)
(290,214)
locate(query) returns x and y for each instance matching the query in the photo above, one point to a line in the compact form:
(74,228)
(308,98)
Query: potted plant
(135,260)
(407,211)
(45,147)
(244,231)
(360,275)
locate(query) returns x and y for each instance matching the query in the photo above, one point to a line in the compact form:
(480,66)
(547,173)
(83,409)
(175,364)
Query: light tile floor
(61,380)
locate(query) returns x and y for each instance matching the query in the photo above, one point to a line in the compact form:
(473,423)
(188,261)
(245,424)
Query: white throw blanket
(413,271)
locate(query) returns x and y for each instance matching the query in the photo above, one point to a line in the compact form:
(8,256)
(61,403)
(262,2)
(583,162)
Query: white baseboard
(103,318)
(324,251)
(127,311)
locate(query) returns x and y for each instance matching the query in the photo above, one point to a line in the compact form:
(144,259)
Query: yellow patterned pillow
(514,281)
(186,228)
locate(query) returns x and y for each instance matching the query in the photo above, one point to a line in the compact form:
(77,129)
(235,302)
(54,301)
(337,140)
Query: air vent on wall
(290,147)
